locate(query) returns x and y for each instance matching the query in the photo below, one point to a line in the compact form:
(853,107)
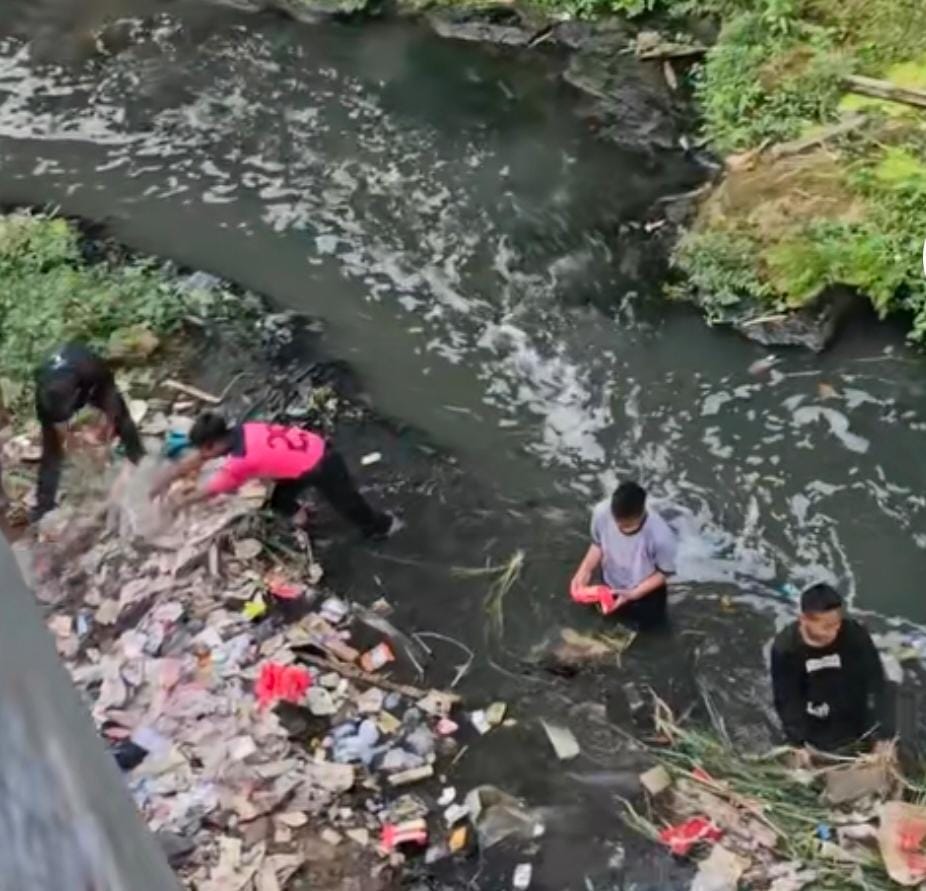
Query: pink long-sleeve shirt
(267,451)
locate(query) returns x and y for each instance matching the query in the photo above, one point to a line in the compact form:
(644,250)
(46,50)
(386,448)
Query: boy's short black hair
(628,501)
(208,429)
(820,598)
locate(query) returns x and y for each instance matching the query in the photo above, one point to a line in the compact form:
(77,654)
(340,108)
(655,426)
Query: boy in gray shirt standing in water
(635,549)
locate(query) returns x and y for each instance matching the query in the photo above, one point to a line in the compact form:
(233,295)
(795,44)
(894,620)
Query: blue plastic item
(175,443)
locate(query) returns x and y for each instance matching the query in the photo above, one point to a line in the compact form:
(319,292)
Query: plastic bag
(497,815)
(901,837)
(682,838)
(289,682)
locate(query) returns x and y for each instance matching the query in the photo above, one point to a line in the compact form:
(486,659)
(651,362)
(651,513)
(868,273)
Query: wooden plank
(356,674)
(195,392)
(884,89)
(799,146)
(667,50)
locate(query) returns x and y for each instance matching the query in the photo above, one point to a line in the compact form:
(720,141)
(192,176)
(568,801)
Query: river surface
(475,253)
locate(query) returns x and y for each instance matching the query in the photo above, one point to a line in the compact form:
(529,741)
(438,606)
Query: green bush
(765,80)
(829,253)
(721,267)
(49,294)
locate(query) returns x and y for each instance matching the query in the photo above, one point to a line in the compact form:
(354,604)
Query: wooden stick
(671,51)
(799,146)
(357,674)
(195,392)
(884,89)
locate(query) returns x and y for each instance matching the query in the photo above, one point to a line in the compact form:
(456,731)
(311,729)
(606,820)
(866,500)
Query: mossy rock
(312,11)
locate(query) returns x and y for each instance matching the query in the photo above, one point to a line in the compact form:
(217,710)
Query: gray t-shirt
(629,559)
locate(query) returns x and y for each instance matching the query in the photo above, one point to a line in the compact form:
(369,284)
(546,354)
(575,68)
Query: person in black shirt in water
(828,681)
(70,379)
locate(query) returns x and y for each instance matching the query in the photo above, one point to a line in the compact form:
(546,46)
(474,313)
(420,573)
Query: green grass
(774,76)
(50,294)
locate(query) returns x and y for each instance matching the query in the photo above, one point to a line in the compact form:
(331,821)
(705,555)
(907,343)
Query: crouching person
(292,458)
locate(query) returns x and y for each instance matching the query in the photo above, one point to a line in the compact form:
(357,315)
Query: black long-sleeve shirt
(70,379)
(829,697)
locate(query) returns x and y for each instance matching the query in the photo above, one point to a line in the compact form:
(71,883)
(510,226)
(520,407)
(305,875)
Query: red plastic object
(281,587)
(911,844)
(411,832)
(682,838)
(590,593)
(277,681)
(607,601)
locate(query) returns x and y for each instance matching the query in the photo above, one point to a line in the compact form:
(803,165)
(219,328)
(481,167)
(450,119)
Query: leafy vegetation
(776,74)
(51,294)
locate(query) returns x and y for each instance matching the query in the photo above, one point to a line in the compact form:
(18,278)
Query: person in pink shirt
(293,458)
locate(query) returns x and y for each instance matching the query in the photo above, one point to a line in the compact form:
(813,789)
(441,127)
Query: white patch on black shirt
(818,711)
(831,661)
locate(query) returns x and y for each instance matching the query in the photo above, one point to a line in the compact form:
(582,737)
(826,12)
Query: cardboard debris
(845,784)
(721,871)
(656,780)
(415,775)
(562,740)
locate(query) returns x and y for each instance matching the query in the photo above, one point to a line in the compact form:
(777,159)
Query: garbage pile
(256,737)
(762,823)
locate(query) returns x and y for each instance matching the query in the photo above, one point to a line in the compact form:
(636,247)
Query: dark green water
(463,235)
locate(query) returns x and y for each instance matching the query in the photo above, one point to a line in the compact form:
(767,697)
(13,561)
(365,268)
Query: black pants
(333,480)
(108,400)
(648,612)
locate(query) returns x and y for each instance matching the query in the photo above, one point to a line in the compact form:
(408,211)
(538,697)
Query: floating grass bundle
(771,815)
(504,578)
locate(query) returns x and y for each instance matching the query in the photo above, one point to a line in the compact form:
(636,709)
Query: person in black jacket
(828,681)
(70,379)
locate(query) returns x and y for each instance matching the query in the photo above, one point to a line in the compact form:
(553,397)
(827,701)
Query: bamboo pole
(884,89)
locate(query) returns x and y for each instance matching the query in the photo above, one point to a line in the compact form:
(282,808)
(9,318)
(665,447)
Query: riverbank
(172,629)
(132,616)
(823,193)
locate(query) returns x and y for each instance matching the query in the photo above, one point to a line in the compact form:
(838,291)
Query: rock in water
(636,109)
(498,24)
(312,11)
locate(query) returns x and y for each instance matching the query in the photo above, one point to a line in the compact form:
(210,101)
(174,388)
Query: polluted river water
(474,253)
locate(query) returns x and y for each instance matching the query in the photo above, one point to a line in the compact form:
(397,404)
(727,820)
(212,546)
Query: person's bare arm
(590,562)
(182,502)
(651,583)
(185,466)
